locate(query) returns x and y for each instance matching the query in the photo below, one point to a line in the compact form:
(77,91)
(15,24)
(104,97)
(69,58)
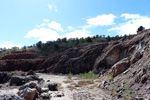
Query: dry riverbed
(75,88)
(68,89)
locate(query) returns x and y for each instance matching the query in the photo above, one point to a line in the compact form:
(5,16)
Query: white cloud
(50,6)
(9,46)
(45,35)
(55,25)
(42,34)
(41,25)
(56,8)
(77,34)
(53,7)
(86,27)
(70,28)
(102,20)
(131,25)
(45,20)
(7,42)
(130,16)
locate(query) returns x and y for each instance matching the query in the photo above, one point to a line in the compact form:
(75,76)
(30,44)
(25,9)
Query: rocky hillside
(95,57)
(126,60)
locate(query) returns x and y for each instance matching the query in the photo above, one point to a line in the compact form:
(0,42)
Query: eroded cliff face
(94,57)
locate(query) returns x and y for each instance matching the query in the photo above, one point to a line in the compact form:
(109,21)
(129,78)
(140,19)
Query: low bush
(89,75)
(70,75)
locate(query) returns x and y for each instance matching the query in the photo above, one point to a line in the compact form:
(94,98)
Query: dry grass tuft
(99,80)
(94,95)
(82,83)
(93,86)
(90,82)
(71,87)
(68,81)
(59,86)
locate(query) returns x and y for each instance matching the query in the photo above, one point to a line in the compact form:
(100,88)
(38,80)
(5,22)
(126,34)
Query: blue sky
(25,22)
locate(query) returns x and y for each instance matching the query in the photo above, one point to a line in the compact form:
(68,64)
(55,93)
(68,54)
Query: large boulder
(17,80)
(31,72)
(32,78)
(52,86)
(120,67)
(30,85)
(29,94)
(10,97)
(4,77)
(135,57)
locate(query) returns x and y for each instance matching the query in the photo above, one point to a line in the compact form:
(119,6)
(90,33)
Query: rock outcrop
(25,54)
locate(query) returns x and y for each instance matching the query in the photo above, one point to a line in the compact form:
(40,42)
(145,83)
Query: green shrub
(110,77)
(88,75)
(12,73)
(141,28)
(128,91)
(70,75)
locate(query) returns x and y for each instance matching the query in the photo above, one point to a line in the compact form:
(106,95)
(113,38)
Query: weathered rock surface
(30,54)
(10,97)
(4,77)
(28,85)
(120,67)
(52,86)
(29,94)
(17,80)
(31,72)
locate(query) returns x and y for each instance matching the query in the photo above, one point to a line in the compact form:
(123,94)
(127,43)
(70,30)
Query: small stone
(60,95)
(144,79)
(45,96)
(119,96)
(45,89)
(148,88)
(48,80)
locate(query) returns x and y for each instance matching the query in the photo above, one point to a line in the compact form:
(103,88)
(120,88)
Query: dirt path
(75,88)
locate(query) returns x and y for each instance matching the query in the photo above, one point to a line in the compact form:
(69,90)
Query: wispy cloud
(131,25)
(85,27)
(102,20)
(77,34)
(70,28)
(41,25)
(53,7)
(45,20)
(56,8)
(130,16)
(50,6)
